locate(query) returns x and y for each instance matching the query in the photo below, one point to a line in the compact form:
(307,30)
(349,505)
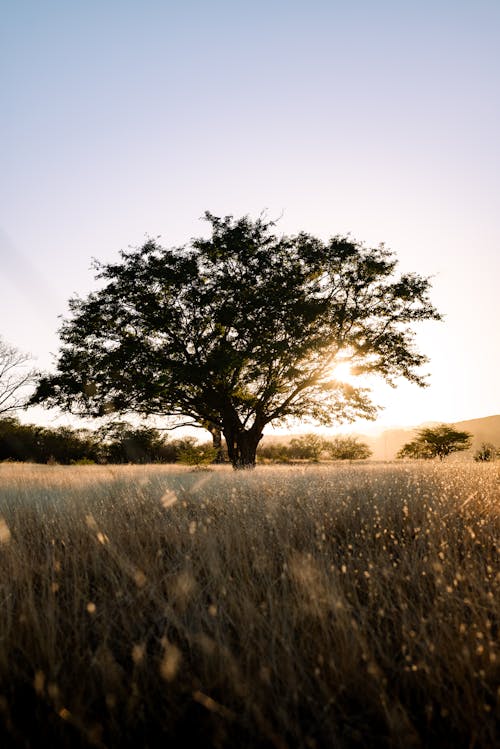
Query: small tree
(195,453)
(347,448)
(437,441)
(307,447)
(16,376)
(486,453)
(238,331)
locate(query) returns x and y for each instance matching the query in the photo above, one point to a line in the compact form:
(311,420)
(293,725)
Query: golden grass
(288,607)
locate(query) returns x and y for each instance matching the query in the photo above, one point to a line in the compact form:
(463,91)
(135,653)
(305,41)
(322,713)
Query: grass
(339,606)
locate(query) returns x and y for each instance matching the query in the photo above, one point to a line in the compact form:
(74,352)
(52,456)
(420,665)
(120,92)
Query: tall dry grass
(287,607)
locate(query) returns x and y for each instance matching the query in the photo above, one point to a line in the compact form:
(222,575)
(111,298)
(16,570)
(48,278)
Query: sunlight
(342,371)
(380,393)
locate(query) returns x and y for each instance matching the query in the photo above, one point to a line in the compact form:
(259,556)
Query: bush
(486,453)
(277,452)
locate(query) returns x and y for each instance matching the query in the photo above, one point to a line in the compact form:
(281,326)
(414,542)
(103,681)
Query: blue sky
(126,118)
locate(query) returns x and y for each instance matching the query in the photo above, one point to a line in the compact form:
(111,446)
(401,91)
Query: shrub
(486,453)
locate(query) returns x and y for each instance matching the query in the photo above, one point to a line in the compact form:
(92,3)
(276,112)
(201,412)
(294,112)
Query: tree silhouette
(438,441)
(239,330)
(15,378)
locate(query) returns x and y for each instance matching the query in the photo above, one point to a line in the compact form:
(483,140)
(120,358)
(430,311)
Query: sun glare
(342,371)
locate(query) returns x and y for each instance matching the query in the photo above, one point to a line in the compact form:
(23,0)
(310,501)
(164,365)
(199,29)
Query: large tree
(238,330)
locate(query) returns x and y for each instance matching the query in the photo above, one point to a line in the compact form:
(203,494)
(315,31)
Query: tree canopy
(438,441)
(238,330)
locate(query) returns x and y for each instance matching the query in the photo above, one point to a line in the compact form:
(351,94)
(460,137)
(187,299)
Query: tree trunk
(217,443)
(242,447)
(241,443)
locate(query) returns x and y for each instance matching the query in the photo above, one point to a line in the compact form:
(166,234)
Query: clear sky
(121,118)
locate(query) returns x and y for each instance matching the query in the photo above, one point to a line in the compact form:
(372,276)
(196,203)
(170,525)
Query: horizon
(359,428)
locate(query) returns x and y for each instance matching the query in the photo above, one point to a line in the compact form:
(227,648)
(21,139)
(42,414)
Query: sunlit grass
(300,607)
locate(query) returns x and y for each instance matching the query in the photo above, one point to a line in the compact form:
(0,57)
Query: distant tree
(124,443)
(37,444)
(195,453)
(238,331)
(17,441)
(438,441)
(307,447)
(347,448)
(275,451)
(66,445)
(486,453)
(16,377)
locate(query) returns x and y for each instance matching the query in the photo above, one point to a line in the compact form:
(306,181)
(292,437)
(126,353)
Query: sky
(122,119)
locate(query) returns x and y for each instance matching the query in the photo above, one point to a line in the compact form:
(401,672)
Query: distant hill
(483,430)
(385,445)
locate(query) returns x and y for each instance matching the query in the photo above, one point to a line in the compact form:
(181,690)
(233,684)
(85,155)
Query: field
(314,606)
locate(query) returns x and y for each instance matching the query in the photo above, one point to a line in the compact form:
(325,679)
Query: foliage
(194,453)
(239,330)
(149,607)
(347,448)
(486,453)
(275,452)
(307,447)
(37,444)
(438,441)
(124,443)
(15,378)
(416,450)
(118,442)
(314,447)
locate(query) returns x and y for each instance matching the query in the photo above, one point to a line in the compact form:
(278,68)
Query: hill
(385,445)
(483,430)
(486,429)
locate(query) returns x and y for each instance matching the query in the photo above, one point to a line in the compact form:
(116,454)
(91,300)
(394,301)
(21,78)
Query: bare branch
(15,378)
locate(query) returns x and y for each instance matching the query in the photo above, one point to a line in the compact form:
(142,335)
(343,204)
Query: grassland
(311,606)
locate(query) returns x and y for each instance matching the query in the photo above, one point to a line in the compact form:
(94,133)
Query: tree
(307,447)
(239,330)
(196,454)
(438,441)
(124,443)
(15,377)
(31,442)
(347,448)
